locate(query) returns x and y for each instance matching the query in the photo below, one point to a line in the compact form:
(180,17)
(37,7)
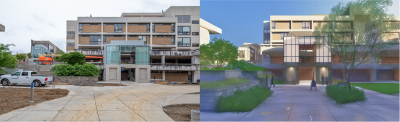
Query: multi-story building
(143,46)
(2,28)
(249,52)
(291,51)
(39,47)
(206,29)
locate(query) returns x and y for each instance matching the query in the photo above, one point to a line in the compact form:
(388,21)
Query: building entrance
(306,75)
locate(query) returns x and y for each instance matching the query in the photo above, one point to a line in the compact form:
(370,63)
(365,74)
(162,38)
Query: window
(283,35)
(70,44)
(273,25)
(118,28)
(70,33)
(195,33)
(94,39)
(183,18)
(195,22)
(24,74)
(17,73)
(306,25)
(183,42)
(195,45)
(183,30)
(241,54)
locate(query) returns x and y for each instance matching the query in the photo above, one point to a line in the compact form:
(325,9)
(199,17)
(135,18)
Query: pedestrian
(326,80)
(293,80)
(272,81)
(313,84)
(322,79)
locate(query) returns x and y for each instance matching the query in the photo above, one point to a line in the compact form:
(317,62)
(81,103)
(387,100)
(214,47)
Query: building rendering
(206,29)
(289,50)
(249,52)
(142,46)
(2,28)
(39,47)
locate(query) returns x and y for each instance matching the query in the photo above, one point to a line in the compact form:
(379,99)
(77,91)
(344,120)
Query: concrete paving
(134,102)
(298,103)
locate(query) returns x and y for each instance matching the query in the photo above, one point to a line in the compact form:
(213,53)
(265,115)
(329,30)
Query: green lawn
(225,82)
(385,88)
(243,101)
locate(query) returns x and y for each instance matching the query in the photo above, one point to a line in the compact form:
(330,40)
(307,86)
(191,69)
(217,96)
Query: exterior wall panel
(108,28)
(282,25)
(162,28)
(70,47)
(396,74)
(276,36)
(91,28)
(108,39)
(140,28)
(297,25)
(161,40)
(84,40)
(133,38)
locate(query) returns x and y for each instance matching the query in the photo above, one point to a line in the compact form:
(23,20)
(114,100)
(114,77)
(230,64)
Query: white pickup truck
(25,78)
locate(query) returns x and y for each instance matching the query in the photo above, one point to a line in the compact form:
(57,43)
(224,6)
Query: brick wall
(162,28)
(161,41)
(384,74)
(91,28)
(133,38)
(277,72)
(108,39)
(123,28)
(84,40)
(305,74)
(108,28)
(360,75)
(141,28)
(390,59)
(337,73)
(70,47)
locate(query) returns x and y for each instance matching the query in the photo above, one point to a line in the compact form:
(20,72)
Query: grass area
(385,88)
(217,68)
(225,82)
(343,95)
(243,101)
(335,81)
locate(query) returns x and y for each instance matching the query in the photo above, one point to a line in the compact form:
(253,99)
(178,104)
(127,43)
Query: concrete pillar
(151,35)
(163,75)
(126,31)
(330,75)
(102,45)
(372,75)
(297,75)
(163,60)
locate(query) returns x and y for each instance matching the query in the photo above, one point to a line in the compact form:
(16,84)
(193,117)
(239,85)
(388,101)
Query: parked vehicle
(25,78)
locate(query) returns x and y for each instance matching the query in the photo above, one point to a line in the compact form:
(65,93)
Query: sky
(46,19)
(242,21)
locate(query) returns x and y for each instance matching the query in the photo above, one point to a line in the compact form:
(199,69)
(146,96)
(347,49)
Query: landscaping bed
(242,101)
(385,88)
(226,82)
(342,94)
(180,112)
(16,98)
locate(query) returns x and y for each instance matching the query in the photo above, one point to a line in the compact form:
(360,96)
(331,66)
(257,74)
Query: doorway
(306,75)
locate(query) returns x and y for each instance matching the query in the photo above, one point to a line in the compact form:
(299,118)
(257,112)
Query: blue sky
(242,21)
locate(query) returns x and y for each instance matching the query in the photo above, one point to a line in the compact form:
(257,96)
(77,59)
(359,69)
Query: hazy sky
(46,19)
(242,21)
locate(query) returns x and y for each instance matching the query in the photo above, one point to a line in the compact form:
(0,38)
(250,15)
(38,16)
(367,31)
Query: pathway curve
(298,103)
(135,102)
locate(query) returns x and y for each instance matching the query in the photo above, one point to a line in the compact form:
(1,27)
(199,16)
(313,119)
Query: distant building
(39,47)
(249,52)
(2,28)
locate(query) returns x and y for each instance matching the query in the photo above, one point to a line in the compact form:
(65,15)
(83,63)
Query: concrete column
(330,74)
(372,75)
(151,35)
(126,31)
(102,45)
(137,76)
(163,60)
(297,69)
(118,73)
(163,75)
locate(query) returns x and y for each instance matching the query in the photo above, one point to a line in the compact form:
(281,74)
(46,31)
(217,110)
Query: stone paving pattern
(135,102)
(298,103)
(78,80)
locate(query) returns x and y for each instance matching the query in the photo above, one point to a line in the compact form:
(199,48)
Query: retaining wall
(78,80)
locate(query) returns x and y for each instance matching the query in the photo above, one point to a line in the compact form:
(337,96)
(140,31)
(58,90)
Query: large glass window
(273,25)
(70,44)
(184,42)
(183,18)
(183,30)
(195,22)
(94,39)
(306,25)
(283,35)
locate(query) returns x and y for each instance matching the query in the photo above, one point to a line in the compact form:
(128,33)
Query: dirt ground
(180,112)
(194,93)
(16,98)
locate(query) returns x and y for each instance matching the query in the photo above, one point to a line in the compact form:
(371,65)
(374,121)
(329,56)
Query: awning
(93,57)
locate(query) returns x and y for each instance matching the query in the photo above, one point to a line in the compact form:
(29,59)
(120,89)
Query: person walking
(326,80)
(293,80)
(313,84)
(322,79)
(272,81)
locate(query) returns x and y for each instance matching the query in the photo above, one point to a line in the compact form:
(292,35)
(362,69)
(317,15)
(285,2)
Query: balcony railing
(91,52)
(70,36)
(175,52)
(174,66)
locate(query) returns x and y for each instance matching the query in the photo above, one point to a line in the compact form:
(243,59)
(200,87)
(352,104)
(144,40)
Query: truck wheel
(5,82)
(37,83)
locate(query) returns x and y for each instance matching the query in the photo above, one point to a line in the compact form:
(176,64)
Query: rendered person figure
(293,80)
(322,79)
(313,84)
(272,81)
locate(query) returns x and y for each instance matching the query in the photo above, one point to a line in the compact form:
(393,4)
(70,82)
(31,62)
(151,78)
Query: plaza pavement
(298,103)
(135,102)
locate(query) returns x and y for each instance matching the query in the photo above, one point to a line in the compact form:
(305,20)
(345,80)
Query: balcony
(91,52)
(174,66)
(70,36)
(175,52)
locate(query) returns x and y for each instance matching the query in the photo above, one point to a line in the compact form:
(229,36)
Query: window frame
(181,44)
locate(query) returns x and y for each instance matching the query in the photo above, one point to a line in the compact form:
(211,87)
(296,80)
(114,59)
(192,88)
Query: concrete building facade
(289,50)
(172,38)
(2,28)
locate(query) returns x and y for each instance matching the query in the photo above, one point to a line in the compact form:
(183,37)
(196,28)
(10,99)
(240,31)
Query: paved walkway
(298,103)
(135,102)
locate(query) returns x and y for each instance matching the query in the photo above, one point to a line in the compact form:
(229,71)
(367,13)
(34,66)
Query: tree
(361,40)
(6,59)
(29,55)
(73,58)
(58,52)
(20,56)
(218,52)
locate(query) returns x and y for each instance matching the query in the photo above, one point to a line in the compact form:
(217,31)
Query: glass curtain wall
(142,55)
(113,54)
(39,49)
(291,48)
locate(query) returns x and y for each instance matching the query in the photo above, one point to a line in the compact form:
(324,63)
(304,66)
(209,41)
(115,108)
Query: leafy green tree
(57,58)
(363,39)
(218,52)
(6,59)
(29,55)
(73,58)
(20,56)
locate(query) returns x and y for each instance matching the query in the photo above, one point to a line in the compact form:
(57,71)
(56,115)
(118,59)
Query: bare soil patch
(16,98)
(180,112)
(194,93)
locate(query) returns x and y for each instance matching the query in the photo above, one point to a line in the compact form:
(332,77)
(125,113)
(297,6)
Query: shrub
(73,58)
(335,81)
(226,82)
(344,95)
(76,70)
(242,101)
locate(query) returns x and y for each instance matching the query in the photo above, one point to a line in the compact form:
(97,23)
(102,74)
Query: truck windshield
(17,73)
(33,73)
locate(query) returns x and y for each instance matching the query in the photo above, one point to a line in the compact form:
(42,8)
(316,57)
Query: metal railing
(175,52)
(369,62)
(91,52)
(98,64)
(174,66)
